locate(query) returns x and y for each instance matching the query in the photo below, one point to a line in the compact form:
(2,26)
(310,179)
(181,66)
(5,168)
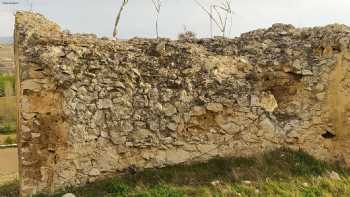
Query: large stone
(33,84)
(198,111)
(177,156)
(142,134)
(215,107)
(267,125)
(169,109)
(230,127)
(268,102)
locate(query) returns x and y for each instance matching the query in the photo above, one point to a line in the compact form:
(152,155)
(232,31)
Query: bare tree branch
(157,4)
(220,19)
(115,31)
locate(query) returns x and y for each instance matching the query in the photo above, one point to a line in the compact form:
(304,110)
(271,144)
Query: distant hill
(6,40)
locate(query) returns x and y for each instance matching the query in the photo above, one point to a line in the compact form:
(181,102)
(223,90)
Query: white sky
(97,16)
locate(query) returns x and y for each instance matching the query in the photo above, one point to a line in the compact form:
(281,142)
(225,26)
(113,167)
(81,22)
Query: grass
(4,79)
(7,115)
(281,172)
(9,140)
(8,128)
(9,190)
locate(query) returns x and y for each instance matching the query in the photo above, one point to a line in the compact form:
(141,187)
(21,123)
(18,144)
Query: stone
(246,182)
(267,126)
(333,175)
(117,138)
(321,96)
(94,172)
(99,118)
(215,107)
(216,183)
(32,85)
(154,126)
(254,101)
(268,102)
(307,72)
(293,134)
(177,156)
(104,104)
(198,111)
(169,109)
(172,126)
(142,134)
(230,127)
(68,195)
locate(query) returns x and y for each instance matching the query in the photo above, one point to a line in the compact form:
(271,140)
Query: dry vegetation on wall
(94,108)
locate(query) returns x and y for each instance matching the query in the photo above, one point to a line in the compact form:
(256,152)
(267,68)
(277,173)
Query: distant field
(8,109)
(7,116)
(6,59)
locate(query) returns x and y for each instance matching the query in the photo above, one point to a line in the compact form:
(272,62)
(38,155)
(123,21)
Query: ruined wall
(91,108)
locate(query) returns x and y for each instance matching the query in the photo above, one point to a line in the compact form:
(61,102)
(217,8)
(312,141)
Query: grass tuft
(161,191)
(8,128)
(9,140)
(9,190)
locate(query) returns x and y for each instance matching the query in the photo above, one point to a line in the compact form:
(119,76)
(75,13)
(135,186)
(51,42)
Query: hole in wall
(328,134)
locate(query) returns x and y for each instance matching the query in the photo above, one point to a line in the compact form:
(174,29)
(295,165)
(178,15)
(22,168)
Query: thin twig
(115,31)
(220,19)
(157,4)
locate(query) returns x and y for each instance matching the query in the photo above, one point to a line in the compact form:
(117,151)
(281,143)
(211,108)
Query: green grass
(9,190)
(7,115)
(4,78)
(9,140)
(8,128)
(278,173)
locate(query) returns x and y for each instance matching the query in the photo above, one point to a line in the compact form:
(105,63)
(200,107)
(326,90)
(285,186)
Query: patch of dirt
(8,165)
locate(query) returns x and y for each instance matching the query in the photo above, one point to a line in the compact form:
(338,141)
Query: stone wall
(92,108)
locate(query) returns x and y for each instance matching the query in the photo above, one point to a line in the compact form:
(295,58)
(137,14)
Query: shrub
(9,140)
(118,188)
(4,79)
(188,35)
(7,129)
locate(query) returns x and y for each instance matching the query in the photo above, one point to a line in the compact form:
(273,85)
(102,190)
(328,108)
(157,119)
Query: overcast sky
(97,16)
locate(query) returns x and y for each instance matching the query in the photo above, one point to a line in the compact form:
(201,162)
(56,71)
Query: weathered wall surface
(91,108)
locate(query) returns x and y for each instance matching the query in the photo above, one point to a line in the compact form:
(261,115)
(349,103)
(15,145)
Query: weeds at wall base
(281,172)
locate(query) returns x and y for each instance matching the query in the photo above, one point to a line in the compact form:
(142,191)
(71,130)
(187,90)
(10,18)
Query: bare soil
(8,165)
